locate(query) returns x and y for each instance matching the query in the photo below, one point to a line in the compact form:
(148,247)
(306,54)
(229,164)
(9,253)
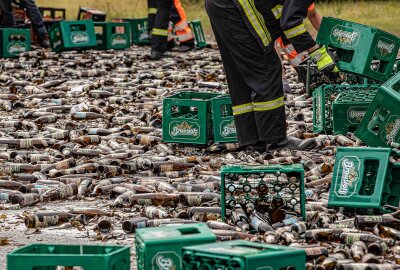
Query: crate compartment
(14,41)
(263,186)
(223,122)
(112,35)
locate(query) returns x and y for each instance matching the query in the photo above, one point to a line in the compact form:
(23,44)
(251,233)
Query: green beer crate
(199,36)
(72,35)
(349,108)
(89,257)
(242,255)
(223,123)
(14,41)
(361,179)
(160,248)
(323,98)
(187,118)
(112,35)
(262,186)
(381,122)
(358,46)
(139,30)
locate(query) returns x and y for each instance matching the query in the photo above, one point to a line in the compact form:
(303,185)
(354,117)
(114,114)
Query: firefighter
(166,11)
(245,31)
(38,26)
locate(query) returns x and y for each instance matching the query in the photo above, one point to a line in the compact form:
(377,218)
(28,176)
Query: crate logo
(228,128)
(345,36)
(318,113)
(184,129)
(350,169)
(118,40)
(79,37)
(385,48)
(168,260)
(392,128)
(16,47)
(356,114)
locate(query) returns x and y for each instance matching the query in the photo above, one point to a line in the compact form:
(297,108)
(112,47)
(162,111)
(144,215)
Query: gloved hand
(324,61)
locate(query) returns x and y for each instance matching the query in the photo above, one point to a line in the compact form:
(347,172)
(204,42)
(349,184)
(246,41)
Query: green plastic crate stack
(323,98)
(381,122)
(14,41)
(242,255)
(361,49)
(72,35)
(263,186)
(187,118)
(113,35)
(160,248)
(89,257)
(349,108)
(364,179)
(223,123)
(199,36)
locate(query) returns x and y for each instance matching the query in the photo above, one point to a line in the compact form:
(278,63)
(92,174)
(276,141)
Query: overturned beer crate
(89,257)
(323,98)
(72,35)
(161,247)
(349,108)
(112,35)
(187,118)
(361,49)
(381,122)
(263,186)
(223,122)
(242,255)
(87,13)
(363,178)
(199,36)
(14,41)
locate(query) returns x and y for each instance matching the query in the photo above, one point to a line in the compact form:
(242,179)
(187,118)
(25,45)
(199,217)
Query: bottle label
(349,175)
(255,223)
(344,36)
(80,115)
(228,129)
(373,218)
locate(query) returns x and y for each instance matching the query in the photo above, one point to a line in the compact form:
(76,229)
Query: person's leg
(35,16)
(259,68)
(7,14)
(152,11)
(160,28)
(181,27)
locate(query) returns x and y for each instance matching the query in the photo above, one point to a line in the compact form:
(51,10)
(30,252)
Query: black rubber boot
(292,143)
(42,40)
(185,47)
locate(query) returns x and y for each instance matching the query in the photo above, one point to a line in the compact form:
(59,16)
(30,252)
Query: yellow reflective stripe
(241,109)
(268,105)
(295,31)
(256,21)
(159,32)
(277,10)
(152,10)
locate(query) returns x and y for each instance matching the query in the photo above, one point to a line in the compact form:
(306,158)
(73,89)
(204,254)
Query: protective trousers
(253,70)
(166,11)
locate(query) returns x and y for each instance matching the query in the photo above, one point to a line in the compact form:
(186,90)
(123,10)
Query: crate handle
(185,231)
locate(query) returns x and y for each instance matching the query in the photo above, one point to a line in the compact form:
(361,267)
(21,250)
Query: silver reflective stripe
(241,109)
(295,31)
(268,105)
(277,10)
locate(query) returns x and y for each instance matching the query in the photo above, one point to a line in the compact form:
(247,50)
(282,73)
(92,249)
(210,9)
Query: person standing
(245,31)
(166,11)
(38,26)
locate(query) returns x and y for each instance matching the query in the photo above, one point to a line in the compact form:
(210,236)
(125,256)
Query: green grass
(383,15)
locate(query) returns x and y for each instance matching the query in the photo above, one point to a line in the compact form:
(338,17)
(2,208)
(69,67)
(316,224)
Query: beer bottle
(358,250)
(367,223)
(130,226)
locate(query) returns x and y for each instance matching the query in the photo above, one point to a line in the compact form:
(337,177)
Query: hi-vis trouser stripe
(277,10)
(268,105)
(241,109)
(295,31)
(159,32)
(152,11)
(258,106)
(256,20)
